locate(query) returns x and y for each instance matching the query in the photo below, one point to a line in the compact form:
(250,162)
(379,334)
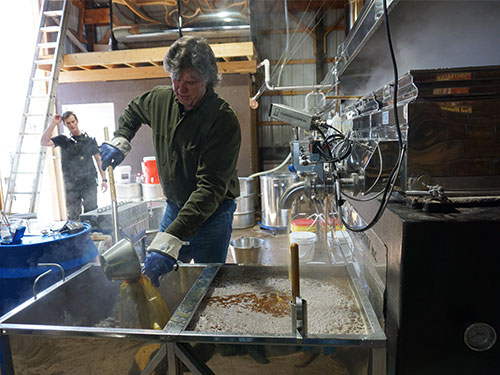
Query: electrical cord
(373,185)
(387,192)
(332,156)
(339,145)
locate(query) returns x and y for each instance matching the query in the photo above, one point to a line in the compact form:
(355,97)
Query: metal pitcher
(120,261)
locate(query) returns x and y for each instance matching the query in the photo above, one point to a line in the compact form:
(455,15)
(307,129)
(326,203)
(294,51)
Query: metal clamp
(299,317)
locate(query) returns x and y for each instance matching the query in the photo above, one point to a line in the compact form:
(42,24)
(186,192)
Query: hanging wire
(287,41)
(387,192)
(296,45)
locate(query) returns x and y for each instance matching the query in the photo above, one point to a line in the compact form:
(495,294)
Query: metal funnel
(120,261)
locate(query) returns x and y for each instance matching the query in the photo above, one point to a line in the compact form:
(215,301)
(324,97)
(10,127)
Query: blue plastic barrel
(19,263)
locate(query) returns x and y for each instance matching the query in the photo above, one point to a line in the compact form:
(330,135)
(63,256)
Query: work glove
(113,152)
(156,265)
(162,254)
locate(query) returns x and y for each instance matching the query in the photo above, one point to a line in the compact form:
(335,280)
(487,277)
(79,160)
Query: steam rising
(427,35)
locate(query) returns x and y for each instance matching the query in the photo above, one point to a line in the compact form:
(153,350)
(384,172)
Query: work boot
(231,350)
(336,365)
(306,357)
(257,352)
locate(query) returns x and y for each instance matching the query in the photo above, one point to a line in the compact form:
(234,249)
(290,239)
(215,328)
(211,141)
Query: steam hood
(425,35)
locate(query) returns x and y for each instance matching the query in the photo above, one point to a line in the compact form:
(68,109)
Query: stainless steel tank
(244,216)
(272,187)
(73,327)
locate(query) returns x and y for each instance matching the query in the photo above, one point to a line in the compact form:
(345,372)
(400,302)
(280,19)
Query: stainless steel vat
(272,187)
(185,313)
(72,327)
(244,216)
(287,345)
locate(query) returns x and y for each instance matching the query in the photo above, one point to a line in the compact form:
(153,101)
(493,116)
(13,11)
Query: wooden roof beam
(151,55)
(145,72)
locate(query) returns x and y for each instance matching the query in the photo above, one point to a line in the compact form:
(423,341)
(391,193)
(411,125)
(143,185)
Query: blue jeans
(78,194)
(210,243)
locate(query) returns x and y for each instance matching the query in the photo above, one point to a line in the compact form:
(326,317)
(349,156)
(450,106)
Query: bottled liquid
(6,234)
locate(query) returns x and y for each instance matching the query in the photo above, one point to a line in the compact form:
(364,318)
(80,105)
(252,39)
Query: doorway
(92,119)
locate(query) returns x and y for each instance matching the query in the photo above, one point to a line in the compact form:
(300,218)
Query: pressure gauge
(480,337)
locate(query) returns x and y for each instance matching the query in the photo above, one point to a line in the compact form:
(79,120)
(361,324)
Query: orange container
(150,170)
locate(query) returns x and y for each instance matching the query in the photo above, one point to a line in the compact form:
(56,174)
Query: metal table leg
(181,353)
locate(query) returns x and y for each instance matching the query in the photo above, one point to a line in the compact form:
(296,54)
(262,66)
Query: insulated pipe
(267,78)
(172,34)
(290,194)
(287,159)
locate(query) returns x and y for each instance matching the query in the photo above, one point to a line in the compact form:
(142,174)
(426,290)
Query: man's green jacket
(196,152)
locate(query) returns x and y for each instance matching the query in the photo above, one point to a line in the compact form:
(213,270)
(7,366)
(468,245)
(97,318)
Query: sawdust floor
(343,361)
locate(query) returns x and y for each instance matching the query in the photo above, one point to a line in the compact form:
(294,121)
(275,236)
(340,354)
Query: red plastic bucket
(150,170)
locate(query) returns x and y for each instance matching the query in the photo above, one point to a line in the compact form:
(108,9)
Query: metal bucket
(247,250)
(244,216)
(121,262)
(272,187)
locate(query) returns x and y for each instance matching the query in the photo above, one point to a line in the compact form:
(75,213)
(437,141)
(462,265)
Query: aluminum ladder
(29,158)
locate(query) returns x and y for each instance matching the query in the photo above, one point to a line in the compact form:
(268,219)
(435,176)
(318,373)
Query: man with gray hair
(196,137)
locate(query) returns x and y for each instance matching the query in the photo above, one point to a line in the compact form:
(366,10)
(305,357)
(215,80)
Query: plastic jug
(150,170)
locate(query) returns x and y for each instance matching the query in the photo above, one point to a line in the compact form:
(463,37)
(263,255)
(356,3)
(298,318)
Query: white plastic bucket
(152,192)
(130,191)
(306,242)
(122,174)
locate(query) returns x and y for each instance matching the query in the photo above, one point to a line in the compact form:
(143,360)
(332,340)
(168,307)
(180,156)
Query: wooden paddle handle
(111,176)
(294,261)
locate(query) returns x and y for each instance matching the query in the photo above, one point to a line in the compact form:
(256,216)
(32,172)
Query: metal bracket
(299,317)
